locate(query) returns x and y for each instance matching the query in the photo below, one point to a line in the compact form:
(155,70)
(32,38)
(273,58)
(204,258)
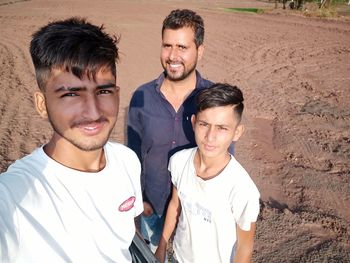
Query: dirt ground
(293,70)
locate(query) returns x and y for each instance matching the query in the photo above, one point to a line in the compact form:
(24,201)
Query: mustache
(173,61)
(89,122)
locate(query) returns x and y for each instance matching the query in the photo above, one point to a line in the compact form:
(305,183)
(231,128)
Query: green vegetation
(326,9)
(333,1)
(252,10)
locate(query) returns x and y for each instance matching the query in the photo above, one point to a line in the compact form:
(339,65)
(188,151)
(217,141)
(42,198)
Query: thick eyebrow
(216,125)
(222,126)
(63,88)
(165,44)
(107,86)
(201,121)
(99,87)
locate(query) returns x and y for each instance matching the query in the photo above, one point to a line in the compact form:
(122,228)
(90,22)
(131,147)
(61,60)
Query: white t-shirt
(206,231)
(51,213)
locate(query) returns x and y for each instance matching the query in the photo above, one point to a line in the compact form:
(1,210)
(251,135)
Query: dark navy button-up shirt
(155,132)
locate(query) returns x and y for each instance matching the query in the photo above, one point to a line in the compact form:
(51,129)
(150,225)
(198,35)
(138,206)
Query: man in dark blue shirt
(159,119)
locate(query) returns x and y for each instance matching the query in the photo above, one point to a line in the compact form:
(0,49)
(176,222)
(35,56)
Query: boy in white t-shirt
(214,203)
(75,198)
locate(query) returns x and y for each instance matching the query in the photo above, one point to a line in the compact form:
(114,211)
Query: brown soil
(294,72)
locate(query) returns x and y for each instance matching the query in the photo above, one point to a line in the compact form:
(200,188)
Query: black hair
(220,94)
(180,18)
(73,45)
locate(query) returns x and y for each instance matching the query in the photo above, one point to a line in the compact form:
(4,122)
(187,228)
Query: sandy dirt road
(293,70)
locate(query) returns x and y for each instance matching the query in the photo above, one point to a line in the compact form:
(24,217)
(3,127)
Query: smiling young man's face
(82,112)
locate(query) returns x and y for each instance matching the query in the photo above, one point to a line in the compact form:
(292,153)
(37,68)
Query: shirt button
(173,142)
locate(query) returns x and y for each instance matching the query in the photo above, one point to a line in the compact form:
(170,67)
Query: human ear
(39,100)
(200,51)
(193,120)
(239,131)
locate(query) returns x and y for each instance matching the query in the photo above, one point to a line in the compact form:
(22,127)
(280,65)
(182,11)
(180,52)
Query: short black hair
(221,94)
(180,18)
(73,45)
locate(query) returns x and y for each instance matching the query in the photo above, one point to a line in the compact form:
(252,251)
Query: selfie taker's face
(215,129)
(82,112)
(179,54)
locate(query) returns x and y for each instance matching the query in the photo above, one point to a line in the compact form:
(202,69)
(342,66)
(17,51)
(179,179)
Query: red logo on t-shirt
(127,204)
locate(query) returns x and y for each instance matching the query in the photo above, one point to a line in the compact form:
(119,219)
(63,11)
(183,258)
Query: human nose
(211,134)
(91,108)
(173,54)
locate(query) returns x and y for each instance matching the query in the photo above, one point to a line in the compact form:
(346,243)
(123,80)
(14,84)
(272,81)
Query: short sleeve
(132,166)
(137,184)
(172,170)
(249,213)
(180,165)
(245,207)
(8,232)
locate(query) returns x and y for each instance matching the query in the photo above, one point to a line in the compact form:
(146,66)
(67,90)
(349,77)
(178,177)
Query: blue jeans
(151,229)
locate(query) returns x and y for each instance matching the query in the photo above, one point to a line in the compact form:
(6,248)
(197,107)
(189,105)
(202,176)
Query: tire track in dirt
(279,60)
(18,126)
(294,72)
(296,115)
(319,237)
(9,111)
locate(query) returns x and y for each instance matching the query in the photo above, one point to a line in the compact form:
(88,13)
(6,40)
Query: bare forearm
(170,222)
(171,219)
(245,243)
(243,255)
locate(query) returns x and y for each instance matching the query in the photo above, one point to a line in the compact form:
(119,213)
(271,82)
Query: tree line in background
(298,4)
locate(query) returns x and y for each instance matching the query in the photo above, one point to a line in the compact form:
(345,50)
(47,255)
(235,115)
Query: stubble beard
(184,75)
(80,143)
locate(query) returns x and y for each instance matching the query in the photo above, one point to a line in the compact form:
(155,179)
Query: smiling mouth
(174,64)
(90,127)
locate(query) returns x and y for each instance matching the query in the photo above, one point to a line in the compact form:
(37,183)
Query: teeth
(90,128)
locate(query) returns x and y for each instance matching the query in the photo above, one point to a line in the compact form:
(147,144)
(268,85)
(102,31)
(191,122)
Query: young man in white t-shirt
(75,198)
(214,203)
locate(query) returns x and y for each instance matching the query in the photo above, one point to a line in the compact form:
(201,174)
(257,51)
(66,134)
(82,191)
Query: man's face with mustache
(179,54)
(82,112)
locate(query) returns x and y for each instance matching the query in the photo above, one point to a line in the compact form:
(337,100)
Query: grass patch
(237,9)
(324,13)
(313,10)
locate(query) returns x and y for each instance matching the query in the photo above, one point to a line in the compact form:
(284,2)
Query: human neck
(210,167)
(177,91)
(72,157)
(181,86)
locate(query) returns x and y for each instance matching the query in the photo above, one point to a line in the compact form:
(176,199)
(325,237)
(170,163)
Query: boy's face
(215,129)
(82,112)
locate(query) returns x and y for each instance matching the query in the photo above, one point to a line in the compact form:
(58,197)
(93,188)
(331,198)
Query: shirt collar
(160,79)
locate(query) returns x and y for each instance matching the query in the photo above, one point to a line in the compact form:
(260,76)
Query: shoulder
(203,83)
(120,149)
(181,158)
(21,175)
(242,179)
(121,157)
(183,154)
(35,160)
(146,85)
(207,83)
(144,91)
